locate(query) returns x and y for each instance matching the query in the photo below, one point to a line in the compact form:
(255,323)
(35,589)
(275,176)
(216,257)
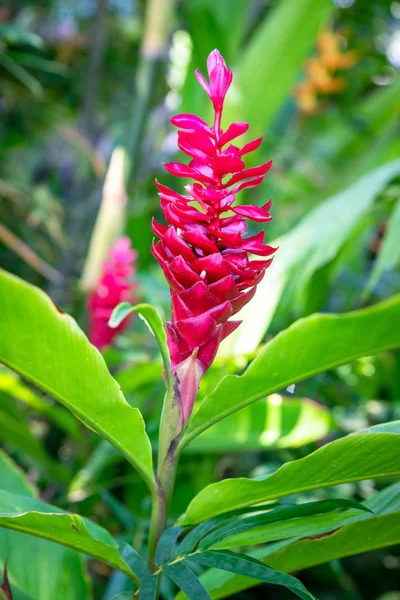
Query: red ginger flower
(203,253)
(115,286)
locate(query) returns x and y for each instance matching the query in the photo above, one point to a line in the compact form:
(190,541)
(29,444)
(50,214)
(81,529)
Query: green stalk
(170,430)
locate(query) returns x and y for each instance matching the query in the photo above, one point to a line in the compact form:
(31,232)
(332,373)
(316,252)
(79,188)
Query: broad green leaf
(389,253)
(187,581)
(364,534)
(283,522)
(28,515)
(154,321)
(27,554)
(273,422)
(314,242)
(250,567)
(258,98)
(124,596)
(50,350)
(364,455)
(309,346)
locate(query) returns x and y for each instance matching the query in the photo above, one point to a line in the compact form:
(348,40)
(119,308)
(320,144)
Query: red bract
(202,252)
(115,286)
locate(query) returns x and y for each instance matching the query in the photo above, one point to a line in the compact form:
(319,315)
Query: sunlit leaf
(311,345)
(274,422)
(50,350)
(365,455)
(28,515)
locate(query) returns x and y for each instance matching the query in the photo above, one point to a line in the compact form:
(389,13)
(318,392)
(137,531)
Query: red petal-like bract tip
(114,286)
(203,251)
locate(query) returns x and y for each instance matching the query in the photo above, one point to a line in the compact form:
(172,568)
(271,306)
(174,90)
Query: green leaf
(389,253)
(300,352)
(191,539)
(273,422)
(313,243)
(187,581)
(365,534)
(50,350)
(278,69)
(28,515)
(364,455)
(147,581)
(250,567)
(26,554)
(155,323)
(166,545)
(282,522)
(124,596)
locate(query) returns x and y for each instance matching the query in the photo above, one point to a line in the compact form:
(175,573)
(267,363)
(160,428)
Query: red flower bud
(203,253)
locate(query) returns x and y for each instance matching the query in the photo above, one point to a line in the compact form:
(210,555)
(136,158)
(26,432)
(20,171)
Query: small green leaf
(166,545)
(298,353)
(28,515)
(352,458)
(50,350)
(148,582)
(250,567)
(155,323)
(133,559)
(187,581)
(191,540)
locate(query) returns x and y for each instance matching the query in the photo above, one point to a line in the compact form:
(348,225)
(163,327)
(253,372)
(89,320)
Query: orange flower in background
(321,78)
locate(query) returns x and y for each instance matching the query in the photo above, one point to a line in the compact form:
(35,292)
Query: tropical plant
(237,531)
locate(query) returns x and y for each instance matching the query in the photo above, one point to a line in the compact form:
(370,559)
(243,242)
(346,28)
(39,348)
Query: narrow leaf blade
(187,581)
(250,567)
